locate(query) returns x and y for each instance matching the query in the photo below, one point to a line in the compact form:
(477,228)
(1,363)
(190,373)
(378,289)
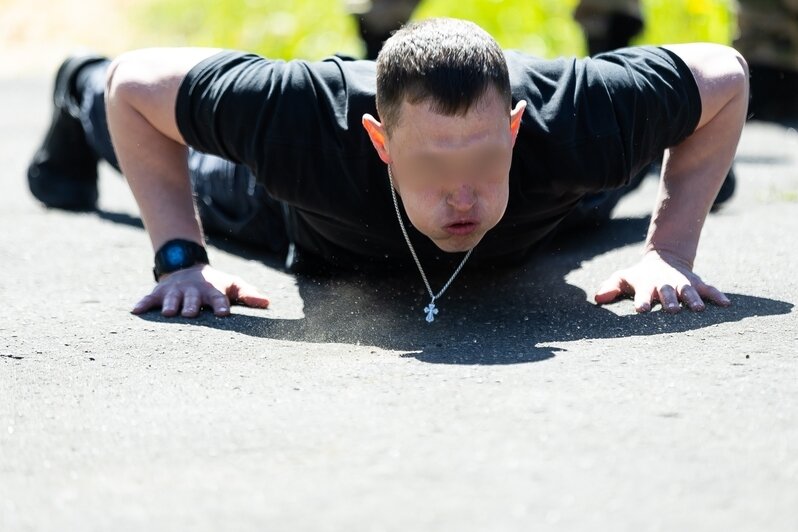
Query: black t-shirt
(590,124)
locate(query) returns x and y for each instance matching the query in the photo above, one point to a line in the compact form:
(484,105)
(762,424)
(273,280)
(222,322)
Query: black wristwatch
(178,255)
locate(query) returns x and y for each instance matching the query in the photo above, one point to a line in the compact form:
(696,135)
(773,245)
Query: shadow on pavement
(501,316)
(121,218)
(512,335)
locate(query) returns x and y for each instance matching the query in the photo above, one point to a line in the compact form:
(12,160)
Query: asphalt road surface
(522,407)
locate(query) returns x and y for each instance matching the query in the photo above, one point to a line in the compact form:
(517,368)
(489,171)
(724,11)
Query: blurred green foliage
(316,28)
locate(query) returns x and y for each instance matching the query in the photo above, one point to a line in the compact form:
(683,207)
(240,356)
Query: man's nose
(462,198)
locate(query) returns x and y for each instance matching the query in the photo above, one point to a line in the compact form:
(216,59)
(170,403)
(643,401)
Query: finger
(219,303)
(668,298)
(146,303)
(253,300)
(690,297)
(710,293)
(643,300)
(247,295)
(171,303)
(611,289)
(191,303)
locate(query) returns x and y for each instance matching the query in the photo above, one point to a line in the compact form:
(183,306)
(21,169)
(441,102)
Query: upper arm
(720,73)
(149,81)
(656,103)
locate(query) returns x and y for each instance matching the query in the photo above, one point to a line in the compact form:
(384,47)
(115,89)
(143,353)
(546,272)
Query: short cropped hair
(448,62)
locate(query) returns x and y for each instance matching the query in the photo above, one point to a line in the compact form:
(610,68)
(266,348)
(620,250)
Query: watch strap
(178,254)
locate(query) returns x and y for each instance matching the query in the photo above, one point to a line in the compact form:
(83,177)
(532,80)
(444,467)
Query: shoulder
(312,90)
(653,62)
(616,66)
(250,68)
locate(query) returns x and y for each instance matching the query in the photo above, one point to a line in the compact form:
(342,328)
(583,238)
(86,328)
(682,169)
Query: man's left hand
(664,278)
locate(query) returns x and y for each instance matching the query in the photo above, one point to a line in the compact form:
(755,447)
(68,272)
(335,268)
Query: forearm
(692,174)
(157,173)
(141,94)
(694,171)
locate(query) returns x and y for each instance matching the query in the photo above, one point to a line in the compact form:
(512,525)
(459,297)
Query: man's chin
(458,244)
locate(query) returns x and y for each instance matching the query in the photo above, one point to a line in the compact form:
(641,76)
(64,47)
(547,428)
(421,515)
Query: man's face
(452,172)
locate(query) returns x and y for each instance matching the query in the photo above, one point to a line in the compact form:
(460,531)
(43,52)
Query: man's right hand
(141,99)
(185,292)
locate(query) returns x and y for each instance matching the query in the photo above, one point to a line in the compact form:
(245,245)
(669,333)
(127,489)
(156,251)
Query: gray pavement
(523,407)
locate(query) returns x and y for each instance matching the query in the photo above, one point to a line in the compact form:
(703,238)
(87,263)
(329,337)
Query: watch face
(175,256)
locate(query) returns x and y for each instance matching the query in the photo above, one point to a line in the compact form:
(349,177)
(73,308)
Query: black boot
(620,30)
(596,209)
(726,190)
(373,39)
(774,94)
(63,173)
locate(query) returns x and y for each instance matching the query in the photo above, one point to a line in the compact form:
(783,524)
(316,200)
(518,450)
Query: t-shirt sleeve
(654,97)
(293,123)
(210,119)
(593,123)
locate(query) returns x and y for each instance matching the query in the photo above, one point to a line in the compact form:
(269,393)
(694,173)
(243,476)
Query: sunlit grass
(314,29)
(278,29)
(678,21)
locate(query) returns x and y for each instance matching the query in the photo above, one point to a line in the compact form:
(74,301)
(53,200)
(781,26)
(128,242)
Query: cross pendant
(431,311)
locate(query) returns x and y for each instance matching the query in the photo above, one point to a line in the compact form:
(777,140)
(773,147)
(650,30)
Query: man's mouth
(462,227)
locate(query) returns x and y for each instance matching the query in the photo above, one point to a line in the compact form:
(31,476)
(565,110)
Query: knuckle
(191,293)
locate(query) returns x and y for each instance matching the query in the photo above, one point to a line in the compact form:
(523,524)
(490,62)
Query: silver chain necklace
(430,309)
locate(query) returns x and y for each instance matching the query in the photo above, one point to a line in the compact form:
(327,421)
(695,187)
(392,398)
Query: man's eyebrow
(431,151)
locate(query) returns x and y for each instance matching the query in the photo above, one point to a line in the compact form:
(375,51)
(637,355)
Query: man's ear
(515,118)
(378,136)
